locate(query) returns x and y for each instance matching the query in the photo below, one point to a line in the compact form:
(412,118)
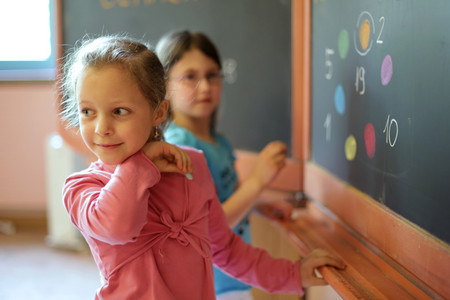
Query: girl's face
(116,120)
(195,86)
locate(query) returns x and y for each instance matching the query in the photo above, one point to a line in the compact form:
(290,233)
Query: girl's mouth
(108,146)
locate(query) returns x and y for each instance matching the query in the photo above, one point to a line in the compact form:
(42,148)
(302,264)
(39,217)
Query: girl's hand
(168,157)
(313,260)
(269,163)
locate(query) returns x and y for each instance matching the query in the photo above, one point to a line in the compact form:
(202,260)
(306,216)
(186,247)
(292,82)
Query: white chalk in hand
(317,273)
(189,176)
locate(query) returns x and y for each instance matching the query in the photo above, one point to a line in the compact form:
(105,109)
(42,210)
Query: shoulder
(197,156)
(198,160)
(101,173)
(175,134)
(97,171)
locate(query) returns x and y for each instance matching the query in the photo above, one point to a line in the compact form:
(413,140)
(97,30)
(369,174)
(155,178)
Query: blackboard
(380,112)
(253,38)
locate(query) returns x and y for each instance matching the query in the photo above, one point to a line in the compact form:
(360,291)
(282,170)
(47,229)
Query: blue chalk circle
(339,99)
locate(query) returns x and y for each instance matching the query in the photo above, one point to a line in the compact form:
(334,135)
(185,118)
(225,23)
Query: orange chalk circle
(364,34)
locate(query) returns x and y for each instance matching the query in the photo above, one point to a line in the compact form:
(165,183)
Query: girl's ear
(160,112)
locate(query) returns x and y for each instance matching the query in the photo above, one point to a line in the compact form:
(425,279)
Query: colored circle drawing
(339,99)
(386,70)
(369,139)
(343,43)
(350,147)
(363,34)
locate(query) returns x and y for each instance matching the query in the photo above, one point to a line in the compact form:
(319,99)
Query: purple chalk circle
(386,70)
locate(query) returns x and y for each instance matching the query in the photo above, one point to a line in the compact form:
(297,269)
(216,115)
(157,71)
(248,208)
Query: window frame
(33,70)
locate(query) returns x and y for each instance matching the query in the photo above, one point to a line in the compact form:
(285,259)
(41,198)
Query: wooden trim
(415,250)
(298,81)
(301,82)
(392,246)
(369,273)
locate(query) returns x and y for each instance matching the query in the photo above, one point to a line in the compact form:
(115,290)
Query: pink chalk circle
(386,70)
(369,138)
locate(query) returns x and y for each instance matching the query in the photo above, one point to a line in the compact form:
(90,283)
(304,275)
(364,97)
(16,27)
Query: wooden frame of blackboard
(420,262)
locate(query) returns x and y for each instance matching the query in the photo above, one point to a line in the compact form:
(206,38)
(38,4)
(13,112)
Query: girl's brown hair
(172,46)
(135,56)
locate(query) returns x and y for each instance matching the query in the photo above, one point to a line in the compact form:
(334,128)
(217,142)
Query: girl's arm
(112,207)
(270,161)
(256,267)
(251,265)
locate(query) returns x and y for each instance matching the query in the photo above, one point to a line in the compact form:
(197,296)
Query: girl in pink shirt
(148,209)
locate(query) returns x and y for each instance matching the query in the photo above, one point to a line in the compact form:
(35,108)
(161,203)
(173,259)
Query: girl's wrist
(254,184)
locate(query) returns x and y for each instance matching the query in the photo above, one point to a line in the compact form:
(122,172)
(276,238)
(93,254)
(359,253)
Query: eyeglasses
(193,80)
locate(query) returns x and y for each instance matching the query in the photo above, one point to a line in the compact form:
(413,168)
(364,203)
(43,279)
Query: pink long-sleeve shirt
(156,235)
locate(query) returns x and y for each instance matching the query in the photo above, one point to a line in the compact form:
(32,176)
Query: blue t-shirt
(220,159)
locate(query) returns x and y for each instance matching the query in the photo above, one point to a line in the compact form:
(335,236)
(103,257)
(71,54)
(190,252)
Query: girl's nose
(103,126)
(203,84)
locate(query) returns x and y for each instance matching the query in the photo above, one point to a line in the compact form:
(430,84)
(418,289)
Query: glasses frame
(213,78)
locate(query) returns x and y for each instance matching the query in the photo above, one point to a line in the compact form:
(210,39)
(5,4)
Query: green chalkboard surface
(254,40)
(381,103)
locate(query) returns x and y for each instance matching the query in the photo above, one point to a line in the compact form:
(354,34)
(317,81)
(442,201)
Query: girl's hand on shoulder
(312,261)
(168,157)
(269,163)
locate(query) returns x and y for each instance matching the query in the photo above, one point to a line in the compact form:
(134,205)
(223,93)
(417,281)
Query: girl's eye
(121,111)
(85,112)
(214,77)
(191,78)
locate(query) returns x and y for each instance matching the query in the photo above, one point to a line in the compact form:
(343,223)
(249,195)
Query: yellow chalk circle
(350,147)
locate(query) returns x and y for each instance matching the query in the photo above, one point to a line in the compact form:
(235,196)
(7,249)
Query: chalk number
(328,63)
(391,130)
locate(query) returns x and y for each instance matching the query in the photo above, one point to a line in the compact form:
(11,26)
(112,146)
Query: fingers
(275,148)
(168,158)
(269,163)
(324,258)
(180,158)
(273,154)
(314,260)
(279,160)
(317,279)
(276,153)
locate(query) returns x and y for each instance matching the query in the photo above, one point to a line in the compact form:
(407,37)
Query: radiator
(61,161)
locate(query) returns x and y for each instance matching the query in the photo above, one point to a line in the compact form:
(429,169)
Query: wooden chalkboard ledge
(370,274)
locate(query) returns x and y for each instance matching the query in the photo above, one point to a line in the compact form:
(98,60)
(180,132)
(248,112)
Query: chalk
(189,176)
